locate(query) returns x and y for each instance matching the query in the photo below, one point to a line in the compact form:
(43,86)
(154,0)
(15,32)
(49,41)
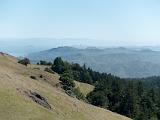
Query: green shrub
(49,70)
(33,77)
(65,80)
(41,76)
(42,62)
(24,61)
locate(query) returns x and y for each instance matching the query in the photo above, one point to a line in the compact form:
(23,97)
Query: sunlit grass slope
(16,105)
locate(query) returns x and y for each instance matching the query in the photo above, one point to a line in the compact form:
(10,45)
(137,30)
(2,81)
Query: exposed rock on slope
(38,99)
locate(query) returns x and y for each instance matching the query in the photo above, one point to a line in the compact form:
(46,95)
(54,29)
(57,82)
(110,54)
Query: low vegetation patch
(49,70)
(33,77)
(42,62)
(69,86)
(24,61)
(41,76)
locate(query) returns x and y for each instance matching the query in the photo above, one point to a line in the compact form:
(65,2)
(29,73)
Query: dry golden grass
(84,88)
(15,105)
(40,67)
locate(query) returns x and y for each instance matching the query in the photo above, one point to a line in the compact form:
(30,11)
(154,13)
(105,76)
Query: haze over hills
(24,46)
(121,61)
(79,59)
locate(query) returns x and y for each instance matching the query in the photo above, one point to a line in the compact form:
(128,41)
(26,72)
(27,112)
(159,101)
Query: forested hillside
(135,98)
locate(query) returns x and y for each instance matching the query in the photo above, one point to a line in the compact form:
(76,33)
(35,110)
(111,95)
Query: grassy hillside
(84,87)
(16,105)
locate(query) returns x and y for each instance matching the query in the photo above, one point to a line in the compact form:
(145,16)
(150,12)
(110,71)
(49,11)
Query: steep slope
(123,62)
(15,104)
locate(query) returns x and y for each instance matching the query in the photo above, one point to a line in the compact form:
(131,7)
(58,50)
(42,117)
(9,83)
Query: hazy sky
(125,22)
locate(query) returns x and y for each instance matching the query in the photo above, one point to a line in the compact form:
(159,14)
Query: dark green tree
(58,65)
(140,88)
(98,98)
(24,61)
